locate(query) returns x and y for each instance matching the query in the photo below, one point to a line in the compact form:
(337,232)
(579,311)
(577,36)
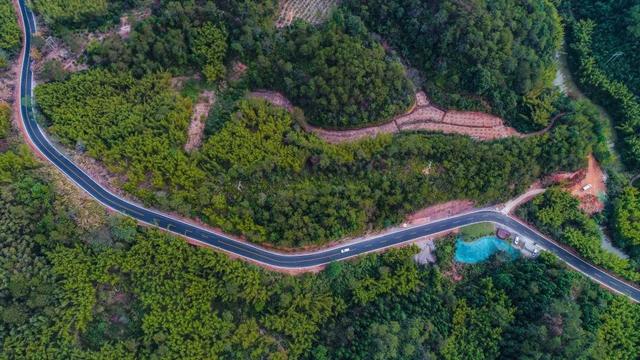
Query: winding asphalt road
(257,254)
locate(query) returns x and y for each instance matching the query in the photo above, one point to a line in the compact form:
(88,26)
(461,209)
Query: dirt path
(512,204)
(424,116)
(200,113)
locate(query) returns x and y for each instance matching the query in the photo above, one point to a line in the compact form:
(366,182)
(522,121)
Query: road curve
(254,253)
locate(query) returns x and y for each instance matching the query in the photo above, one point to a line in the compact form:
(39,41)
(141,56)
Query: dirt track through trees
(423,116)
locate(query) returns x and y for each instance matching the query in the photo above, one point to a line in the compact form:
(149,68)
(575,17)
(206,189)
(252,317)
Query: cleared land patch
(423,117)
(311,11)
(200,113)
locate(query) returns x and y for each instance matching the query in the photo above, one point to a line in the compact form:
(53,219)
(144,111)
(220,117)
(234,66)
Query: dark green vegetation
(263,177)
(495,56)
(616,37)
(123,292)
(177,39)
(602,29)
(118,291)
(9,33)
(602,43)
(185,36)
(5,120)
(556,213)
(500,310)
(337,74)
(626,221)
(65,14)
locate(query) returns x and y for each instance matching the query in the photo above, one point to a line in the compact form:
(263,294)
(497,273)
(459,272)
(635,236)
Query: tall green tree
(209,47)
(9,30)
(494,56)
(337,74)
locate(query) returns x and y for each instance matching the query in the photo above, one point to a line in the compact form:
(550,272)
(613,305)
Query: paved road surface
(261,255)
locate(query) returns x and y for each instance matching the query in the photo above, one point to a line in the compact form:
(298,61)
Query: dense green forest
(588,41)
(186,36)
(5,120)
(117,291)
(9,33)
(137,126)
(616,37)
(340,75)
(63,15)
(556,213)
(494,56)
(626,221)
(175,39)
(337,74)
(262,176)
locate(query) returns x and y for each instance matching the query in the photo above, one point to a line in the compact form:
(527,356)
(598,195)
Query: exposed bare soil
(422,117)
(439,211)
(200,113)
(590,199)
(88,214)
(273,97)
(311,11)
(574,182)
(8,80)
(125,27)
(55,49)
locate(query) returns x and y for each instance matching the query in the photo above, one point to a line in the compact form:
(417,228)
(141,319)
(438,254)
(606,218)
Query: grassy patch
(472,232)
(192,88)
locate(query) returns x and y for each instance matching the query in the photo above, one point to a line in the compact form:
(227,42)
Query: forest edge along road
(40,143)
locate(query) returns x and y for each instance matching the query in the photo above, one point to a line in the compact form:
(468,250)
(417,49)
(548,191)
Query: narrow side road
(40,142)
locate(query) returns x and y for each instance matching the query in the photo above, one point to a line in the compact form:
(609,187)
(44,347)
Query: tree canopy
(185,36)
(556,213)
(494,56)
(176,38)
(337,74)
(262,176)
(616,37)
(73,14)
(9,30)
(5,120)
(135,126)
(598,80)
(116,290)
(626,220)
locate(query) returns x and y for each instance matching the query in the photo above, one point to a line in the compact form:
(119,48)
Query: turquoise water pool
(481,249)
